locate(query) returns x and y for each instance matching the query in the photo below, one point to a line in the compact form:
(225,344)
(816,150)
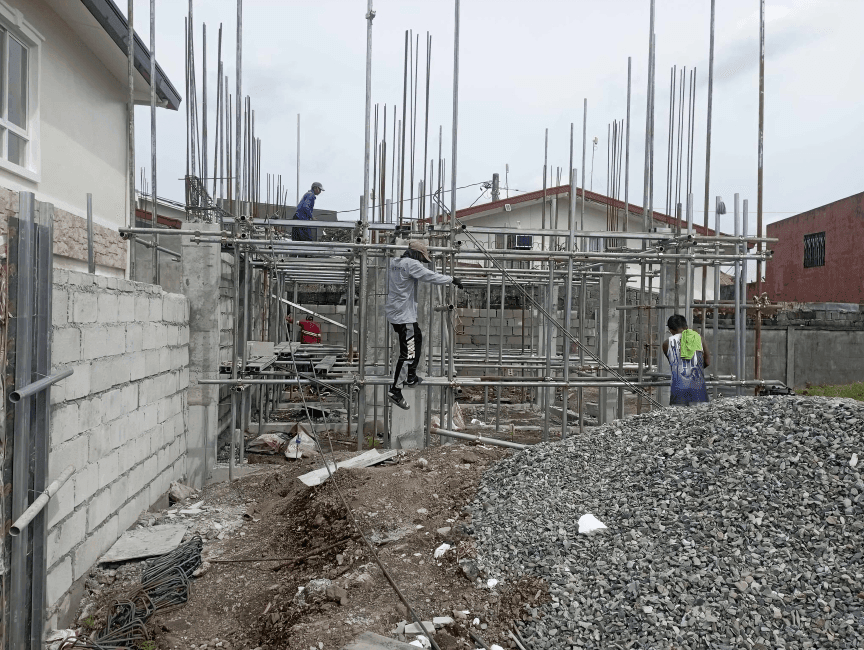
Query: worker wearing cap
(401,310)
(304,213)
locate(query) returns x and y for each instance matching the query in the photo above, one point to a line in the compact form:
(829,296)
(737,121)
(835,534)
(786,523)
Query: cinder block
(89,413)
(61,504)
(98,510)
(86,482)
(109,372)
(172,333)
(137,365)
(134,337)
(72,452)
(156,308)
(64,424)
(59,305)
(129,513)
(89,551)
(84,307)
(142,308)
(66,346)
(100,342)
(164,360)
(58,582)
(125,307)
(78,385)
(119,493)
(155,336)
(151,362)
(109,468)
(103,440)
(183,338)
(62,538)
(108,305)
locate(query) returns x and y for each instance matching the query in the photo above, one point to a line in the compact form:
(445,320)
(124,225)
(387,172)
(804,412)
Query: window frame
(816,237)
(12,20)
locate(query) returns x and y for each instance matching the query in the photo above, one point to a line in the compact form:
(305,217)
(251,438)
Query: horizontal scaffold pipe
(479,439)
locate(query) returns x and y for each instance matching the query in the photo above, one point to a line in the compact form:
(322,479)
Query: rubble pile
(735,524)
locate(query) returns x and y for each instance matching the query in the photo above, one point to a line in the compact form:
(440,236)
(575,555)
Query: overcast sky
(525,67)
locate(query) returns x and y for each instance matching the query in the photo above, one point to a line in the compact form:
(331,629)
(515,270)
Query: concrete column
(201,271)
(610,299)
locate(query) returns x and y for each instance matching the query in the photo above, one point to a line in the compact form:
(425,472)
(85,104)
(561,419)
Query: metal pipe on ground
(478,439)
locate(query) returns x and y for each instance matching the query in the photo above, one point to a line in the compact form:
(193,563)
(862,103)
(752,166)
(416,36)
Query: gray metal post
(486,351)
(742,306)
(130,135)
(715,339)
(239,139)
(550,308)
(451,373)
(91,260)
(708,162)
(737,279)
(153,220)
(44,231)
(568,294)
(20,338)
(361,357)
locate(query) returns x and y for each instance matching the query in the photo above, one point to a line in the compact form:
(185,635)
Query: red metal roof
(498,206)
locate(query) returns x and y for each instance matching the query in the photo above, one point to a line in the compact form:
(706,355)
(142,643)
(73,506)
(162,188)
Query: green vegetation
(854,391)
(90,622)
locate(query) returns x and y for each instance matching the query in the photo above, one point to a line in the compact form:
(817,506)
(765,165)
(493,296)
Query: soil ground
(404,508)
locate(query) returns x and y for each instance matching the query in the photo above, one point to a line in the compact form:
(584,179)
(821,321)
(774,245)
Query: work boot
(395,396)
(413,380)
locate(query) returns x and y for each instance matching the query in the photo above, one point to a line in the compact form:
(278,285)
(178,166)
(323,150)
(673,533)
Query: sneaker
(395,396)
(413,380)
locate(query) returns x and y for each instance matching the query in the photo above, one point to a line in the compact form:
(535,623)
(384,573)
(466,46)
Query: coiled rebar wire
(165,585)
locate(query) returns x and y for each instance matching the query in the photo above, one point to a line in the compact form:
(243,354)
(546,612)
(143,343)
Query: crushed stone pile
(732,525)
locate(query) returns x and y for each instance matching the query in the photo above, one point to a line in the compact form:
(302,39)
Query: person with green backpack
(688,357)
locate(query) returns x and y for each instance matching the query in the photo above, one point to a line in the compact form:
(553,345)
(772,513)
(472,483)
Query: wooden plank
(326,363)
(366,459)
(145,542)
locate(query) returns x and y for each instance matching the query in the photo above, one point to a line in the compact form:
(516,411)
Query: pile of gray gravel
(733,525)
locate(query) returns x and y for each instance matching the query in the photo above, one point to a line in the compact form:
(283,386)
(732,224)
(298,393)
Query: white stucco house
(525,212)
(63,118)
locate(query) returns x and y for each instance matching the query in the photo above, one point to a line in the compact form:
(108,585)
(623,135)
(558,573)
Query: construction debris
(731,525)
(138,543)
(366,459)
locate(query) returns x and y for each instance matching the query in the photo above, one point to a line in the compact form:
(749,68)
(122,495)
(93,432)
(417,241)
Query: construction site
(222,430)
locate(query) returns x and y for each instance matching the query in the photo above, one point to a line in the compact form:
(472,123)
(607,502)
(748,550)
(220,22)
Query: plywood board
(145,542)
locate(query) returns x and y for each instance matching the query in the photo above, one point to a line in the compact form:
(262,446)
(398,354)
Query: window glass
(17,150)
(17,85)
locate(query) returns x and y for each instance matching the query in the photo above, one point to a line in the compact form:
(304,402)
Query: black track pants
(410,342)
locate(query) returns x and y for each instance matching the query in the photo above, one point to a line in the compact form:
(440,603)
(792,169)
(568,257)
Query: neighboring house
(63,119)
(526,212)
(818,257)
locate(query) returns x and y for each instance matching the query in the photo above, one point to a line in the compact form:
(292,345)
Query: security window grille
(814,250)
(14,77)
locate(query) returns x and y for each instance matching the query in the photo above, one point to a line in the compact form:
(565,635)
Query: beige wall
(82,126)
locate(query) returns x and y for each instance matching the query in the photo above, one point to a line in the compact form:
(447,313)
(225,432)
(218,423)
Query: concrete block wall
(120,420)
(226,325)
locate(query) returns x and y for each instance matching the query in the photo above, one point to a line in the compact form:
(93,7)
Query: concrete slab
(408,427)
(366,459)
(372,641)
(145,542)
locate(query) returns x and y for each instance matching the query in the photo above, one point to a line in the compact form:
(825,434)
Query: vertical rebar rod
(370,15)
(670,141)
(204,105)
(580,396)
(239,116)
(708,168)
(130,136)
(451,370)
(743,304)
(402,129)
(545,163)
(568,292)
(500,353)
(153,219)
(426,121)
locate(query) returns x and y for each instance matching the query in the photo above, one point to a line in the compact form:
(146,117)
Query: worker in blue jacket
(304,213)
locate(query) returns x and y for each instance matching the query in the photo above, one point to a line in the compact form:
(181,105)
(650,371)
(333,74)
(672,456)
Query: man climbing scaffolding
(401,311)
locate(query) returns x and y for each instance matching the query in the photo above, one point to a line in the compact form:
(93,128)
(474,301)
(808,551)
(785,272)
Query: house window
(520,242)
(814,250)
(14,97)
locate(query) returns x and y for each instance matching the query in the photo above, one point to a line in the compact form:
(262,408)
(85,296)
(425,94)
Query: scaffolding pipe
(36,507)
